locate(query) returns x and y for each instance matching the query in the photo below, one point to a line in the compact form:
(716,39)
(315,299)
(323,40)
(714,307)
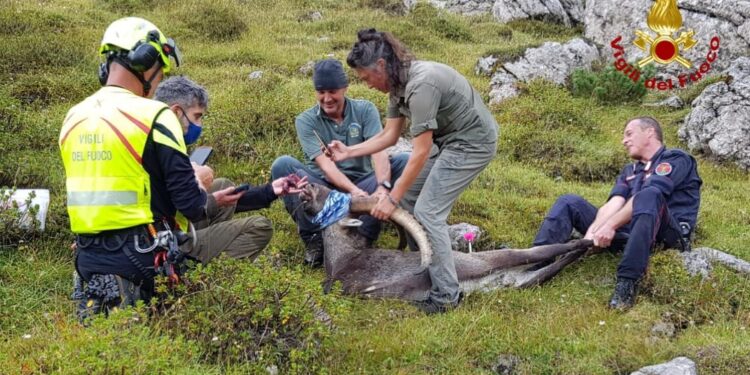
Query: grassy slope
(550,144)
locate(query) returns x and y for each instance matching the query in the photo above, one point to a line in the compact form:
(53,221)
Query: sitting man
(238,238)
(656,198)
(350,121)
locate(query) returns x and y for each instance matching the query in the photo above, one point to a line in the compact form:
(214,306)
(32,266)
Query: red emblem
(663,169)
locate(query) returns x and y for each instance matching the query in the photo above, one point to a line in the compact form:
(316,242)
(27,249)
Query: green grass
(551,143)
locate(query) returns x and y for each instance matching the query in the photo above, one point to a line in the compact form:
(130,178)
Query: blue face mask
(193,132)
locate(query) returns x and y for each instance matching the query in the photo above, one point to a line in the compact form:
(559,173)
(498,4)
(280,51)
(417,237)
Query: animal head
(313,198)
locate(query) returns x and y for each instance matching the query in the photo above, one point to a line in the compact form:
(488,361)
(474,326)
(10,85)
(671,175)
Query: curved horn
(403,218)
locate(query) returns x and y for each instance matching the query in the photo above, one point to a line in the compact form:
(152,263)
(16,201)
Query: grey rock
(486,65)
(506,364)
(677,366)
(272,370)
(696,263)
(719,124)
(574,9)
(255,75)
(465,7)
(563,11)
(551,61)
(457,232)
(547,10)
(671,102)
(311,16)
(502,87)
(663,329)
(307,69)
(604,20)
(727,260)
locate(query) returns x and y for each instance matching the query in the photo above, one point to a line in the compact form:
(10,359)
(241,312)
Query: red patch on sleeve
(663,169)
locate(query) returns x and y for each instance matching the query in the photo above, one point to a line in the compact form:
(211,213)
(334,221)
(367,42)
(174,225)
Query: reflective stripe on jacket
(102,142)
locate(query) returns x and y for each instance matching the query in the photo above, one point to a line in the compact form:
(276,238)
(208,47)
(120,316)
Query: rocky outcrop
(546,10)
(551,61)
(719,124)
(604,20)
(677,366)
(567,12)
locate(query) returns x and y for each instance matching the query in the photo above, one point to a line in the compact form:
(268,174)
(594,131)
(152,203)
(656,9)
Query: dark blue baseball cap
(329,75)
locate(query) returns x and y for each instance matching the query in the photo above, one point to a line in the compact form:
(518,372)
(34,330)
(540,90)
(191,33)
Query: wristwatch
(386,184)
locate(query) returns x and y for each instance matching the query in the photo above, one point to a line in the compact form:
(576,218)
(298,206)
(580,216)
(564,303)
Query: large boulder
(719,124)
(551,61)
(466,7)
(567,12)
(604,20)
(547,10)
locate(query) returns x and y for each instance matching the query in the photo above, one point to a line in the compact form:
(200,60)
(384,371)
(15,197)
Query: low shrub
(609,86)
(217,21)
(544,29)
(254,314)
(444,24)
(395,7)
(122,344)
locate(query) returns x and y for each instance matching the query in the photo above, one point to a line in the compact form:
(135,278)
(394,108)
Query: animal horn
(362,205)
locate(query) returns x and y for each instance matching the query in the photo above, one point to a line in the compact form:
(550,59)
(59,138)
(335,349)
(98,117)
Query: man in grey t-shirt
(350,121)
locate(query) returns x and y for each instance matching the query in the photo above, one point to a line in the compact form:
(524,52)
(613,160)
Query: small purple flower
(469,236)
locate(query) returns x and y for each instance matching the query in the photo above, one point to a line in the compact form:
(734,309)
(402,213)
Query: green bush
(121,344)
(252,314)
(126,6)
(217,21)
(444,24)
(545,30)
(609,86)
(395,7)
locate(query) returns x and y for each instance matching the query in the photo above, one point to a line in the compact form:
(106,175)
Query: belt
(112,240)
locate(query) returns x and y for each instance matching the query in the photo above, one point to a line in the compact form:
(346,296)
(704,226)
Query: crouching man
(217,232)
(655,199)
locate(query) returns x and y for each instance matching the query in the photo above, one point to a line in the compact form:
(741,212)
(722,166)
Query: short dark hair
(646,122)
(181,90)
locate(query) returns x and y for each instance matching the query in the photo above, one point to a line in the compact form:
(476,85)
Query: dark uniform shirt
(674,173)
(173,184)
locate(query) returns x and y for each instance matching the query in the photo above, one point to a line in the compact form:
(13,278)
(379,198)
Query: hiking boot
(314,251)
(624,295)
(429,306)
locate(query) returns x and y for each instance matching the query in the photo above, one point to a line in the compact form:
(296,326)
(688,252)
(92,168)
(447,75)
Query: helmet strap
(122,60)
(147,83)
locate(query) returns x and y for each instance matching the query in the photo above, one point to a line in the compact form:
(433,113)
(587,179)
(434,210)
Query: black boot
(624,295)
(430,306)
(314,251)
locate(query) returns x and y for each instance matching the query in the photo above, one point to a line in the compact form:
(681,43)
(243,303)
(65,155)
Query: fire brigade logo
(664,19)
(663,169)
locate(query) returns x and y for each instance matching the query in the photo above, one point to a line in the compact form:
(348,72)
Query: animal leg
(543,274)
